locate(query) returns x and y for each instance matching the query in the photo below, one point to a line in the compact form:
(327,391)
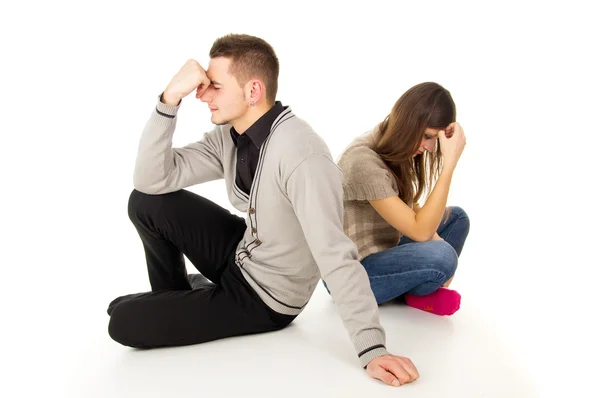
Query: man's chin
(218,121)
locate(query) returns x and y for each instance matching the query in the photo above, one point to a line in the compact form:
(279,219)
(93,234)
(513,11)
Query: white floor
(54,325)
(458,356)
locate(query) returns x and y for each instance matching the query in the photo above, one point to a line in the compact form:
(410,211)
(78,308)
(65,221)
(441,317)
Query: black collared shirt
(248,146)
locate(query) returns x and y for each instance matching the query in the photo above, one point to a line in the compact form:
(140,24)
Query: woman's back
(366,177)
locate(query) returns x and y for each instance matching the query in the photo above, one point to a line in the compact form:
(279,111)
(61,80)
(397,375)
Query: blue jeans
(418,268)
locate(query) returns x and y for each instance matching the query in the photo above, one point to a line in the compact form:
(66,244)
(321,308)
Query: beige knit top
(367,177)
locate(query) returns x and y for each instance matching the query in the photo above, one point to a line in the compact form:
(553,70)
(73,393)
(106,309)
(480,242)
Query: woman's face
(428,141)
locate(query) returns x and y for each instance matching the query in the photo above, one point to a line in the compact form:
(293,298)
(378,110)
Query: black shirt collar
(259,131)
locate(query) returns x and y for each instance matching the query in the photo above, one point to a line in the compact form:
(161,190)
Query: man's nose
(207,95)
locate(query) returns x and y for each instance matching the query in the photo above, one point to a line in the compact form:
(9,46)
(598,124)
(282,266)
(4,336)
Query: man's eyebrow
(214,83)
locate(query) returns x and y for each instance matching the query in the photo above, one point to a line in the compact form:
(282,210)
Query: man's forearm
(160,168)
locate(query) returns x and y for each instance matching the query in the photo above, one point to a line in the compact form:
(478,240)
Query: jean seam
(433,270)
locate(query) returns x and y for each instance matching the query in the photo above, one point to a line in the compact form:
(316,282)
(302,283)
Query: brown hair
(251,57)
(398,137)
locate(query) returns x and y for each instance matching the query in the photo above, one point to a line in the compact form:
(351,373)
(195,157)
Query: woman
(408,251)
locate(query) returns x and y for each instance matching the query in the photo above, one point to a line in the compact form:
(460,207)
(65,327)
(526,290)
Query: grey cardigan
(294,216)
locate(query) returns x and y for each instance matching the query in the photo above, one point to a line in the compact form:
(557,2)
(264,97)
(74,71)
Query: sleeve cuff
(372,354)
(370,191)
(166,110)
(370,344)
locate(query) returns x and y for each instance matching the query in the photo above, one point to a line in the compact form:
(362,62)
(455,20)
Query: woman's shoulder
(360,155)
(365,174)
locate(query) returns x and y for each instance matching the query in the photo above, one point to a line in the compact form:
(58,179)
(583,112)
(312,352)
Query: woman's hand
(452,143)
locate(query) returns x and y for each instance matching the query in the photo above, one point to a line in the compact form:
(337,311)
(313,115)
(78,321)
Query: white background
(80,79)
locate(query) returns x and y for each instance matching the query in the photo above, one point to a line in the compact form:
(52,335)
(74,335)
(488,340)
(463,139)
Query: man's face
(224,96)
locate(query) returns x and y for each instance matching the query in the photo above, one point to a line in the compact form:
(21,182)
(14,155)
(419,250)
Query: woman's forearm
(430,215)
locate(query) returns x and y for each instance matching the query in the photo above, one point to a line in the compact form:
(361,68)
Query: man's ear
(255,91)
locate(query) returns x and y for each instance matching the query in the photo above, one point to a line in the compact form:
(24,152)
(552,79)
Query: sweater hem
(272,302)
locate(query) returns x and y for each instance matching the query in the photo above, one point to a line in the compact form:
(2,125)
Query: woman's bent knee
(461,216)
(443,258)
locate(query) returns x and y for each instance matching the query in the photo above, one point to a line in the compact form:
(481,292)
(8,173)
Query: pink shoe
(441,302)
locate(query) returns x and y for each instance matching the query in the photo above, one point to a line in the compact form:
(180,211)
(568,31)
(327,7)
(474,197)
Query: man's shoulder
(294,137)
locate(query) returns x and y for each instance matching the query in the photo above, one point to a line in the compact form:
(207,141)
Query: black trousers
(187,309)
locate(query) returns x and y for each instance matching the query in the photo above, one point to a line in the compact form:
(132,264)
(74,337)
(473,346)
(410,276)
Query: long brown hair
(251,57)
(398,137)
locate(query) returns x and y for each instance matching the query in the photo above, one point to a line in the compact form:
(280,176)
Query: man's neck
(253,114)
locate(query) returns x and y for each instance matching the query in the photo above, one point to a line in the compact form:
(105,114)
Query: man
(258,273)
